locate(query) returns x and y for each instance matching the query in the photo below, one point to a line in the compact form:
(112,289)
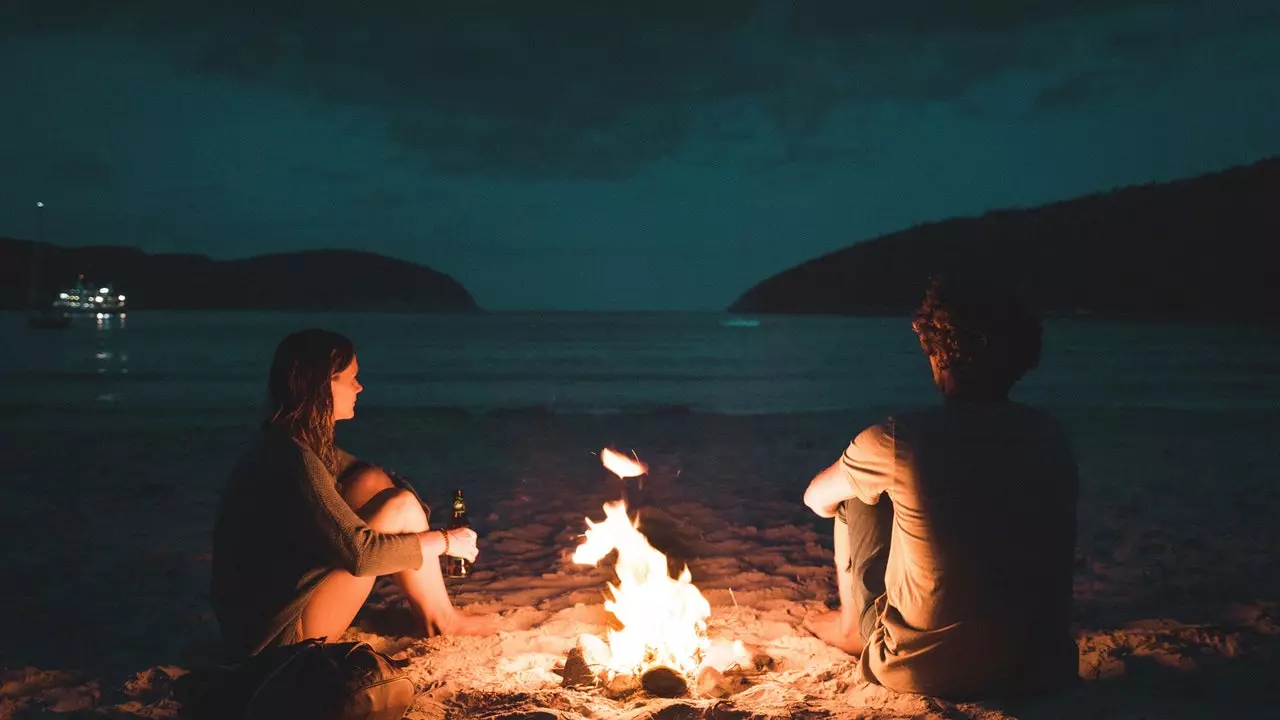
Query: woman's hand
(462,543)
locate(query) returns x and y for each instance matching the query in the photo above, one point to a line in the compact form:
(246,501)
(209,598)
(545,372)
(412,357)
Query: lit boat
(80,299)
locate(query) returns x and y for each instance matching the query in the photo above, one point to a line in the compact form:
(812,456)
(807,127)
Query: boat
(740,322)
(83,299)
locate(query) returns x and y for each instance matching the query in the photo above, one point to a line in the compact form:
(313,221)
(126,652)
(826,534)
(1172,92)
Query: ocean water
(605,363)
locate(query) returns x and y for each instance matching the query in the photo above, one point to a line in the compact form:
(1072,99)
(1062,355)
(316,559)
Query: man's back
(979,578)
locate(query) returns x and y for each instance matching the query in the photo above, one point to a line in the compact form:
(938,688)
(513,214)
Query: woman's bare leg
(368,492)
(340,595)
(334,605)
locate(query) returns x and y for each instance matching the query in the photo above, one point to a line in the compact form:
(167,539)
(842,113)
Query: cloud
(1079,89)
(57,167)
(526,90)
(328,175)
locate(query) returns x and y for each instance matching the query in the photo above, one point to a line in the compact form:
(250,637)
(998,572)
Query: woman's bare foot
(460,622)
(832,629)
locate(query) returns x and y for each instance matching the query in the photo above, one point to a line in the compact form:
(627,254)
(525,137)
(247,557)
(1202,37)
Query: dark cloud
(76,170)
(941,16)
(600,89)
(381,199)
(332,176)
(1079,89)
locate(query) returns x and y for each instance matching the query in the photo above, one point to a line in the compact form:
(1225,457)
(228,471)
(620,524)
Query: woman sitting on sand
(303,528)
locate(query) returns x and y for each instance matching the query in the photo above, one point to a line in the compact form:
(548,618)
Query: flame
(621,465)
(664,619)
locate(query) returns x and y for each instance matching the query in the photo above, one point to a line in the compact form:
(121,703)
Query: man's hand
(827,490)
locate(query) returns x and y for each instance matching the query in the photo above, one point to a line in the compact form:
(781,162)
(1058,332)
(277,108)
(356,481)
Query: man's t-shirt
(979,579)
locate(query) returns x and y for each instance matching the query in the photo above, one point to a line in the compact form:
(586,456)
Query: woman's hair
(299,389)
(982,332)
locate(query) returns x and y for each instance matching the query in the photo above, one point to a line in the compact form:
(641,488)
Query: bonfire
(662,634)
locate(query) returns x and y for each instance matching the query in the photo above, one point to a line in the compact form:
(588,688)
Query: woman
(303,528)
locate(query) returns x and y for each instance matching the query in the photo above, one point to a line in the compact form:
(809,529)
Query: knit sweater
(281,528)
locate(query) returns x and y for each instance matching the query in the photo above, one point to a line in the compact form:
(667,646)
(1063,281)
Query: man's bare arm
(827,490)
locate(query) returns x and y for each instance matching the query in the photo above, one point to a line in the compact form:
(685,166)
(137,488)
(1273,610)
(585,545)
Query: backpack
(310,679)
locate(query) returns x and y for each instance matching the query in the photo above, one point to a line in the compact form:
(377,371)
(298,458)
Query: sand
(108,514)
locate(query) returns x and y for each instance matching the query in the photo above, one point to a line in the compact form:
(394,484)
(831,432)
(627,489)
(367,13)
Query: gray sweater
(281,528)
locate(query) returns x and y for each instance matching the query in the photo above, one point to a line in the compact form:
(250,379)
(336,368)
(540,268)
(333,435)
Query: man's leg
(861,539)
(869,530)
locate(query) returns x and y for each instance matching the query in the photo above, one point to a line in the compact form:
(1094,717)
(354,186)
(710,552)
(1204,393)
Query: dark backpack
(342,681)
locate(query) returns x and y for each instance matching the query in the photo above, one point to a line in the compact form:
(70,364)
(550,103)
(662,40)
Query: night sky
(605,155)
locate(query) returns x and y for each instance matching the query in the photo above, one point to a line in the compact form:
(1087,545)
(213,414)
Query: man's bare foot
(460,622)
(830,628)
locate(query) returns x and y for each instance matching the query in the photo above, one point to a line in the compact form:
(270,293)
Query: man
(955,525)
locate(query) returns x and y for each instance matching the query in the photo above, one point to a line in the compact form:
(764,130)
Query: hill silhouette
(310,280)
(1188,249)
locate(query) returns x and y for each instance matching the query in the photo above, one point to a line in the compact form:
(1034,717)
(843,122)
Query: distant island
(310,280)
(1189,249)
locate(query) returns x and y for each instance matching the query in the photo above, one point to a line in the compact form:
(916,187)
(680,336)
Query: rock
(761,660)
(595,652)
(711,683)
(623,684)
(664,682)
(576,672)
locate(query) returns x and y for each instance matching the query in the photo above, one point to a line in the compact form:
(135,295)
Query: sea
(615,362)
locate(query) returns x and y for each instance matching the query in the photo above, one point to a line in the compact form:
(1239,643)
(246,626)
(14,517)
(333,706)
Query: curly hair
(983,333)
(300,391)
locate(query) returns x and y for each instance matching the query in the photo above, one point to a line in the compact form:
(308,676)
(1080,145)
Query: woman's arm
(348,542)
(461,543)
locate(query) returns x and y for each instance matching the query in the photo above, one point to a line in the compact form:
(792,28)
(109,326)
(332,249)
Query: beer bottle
(455,567)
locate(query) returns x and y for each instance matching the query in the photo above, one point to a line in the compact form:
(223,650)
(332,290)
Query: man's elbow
(816,503)
(808,497)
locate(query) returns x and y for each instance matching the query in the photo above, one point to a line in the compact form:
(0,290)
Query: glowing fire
(664,619)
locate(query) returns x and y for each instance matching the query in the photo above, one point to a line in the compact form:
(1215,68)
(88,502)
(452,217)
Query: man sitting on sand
(955,525)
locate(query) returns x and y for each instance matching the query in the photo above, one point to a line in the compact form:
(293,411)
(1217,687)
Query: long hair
(982,331)
(299,389)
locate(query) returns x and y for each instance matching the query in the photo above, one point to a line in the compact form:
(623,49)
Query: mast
(36,271)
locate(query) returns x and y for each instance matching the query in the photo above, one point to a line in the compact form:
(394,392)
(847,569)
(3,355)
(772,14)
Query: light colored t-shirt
(979,578)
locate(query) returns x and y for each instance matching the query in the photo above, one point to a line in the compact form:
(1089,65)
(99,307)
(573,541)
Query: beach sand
(108,517)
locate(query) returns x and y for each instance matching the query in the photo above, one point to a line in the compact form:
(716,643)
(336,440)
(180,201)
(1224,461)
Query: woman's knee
(397,511)
(362,484)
